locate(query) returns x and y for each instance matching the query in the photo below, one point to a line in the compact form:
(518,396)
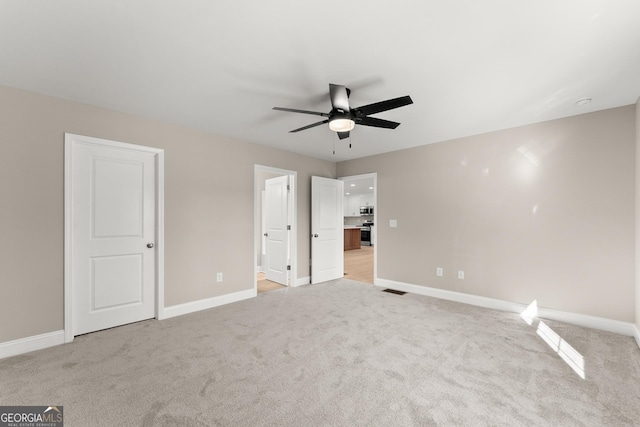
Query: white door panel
(327,229)
(118,198)
(113,221)
(277,236)
(116,281)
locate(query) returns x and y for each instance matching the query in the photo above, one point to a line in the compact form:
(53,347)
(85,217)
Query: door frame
(70,140)
(293,219)
(373,175)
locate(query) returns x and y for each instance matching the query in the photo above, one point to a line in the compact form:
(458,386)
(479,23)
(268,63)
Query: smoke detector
(582,102)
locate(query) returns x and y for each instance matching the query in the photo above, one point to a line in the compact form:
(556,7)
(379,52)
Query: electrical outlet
(439,272)
(460,274)
(393,223)
(219,277)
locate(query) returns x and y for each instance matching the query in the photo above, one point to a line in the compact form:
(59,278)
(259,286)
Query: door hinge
(288,227)
(288,187)
(288,267)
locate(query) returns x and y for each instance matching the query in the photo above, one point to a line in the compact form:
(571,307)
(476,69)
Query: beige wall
(465,204)
(208,205)
(541,212)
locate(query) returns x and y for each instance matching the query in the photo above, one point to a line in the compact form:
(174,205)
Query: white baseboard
(593,322)
(50,339)
(302,281)
(36,342)
(192,307)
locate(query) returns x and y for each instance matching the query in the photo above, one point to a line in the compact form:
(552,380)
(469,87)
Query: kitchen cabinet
(351,239)
(352,205)
(366,200)
(353,202)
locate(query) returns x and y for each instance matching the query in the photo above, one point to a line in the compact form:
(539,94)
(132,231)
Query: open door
(327,229)
(276,230)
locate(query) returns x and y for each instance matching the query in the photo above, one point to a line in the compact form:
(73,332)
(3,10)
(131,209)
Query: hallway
(358,264)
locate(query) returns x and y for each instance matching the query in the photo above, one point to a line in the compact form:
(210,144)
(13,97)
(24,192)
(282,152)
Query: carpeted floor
(340,353)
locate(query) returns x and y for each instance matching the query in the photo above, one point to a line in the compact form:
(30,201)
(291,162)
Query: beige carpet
(335,354)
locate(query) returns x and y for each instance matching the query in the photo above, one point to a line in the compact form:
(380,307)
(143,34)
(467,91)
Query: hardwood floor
(358,264)
(265,285)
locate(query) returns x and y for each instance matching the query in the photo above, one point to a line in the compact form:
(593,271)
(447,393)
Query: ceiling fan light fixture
(341,125)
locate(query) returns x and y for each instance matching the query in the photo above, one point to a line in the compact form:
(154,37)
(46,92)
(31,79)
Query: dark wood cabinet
(351,238)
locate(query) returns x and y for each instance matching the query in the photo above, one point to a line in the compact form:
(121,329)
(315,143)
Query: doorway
(360,212)
(113,234)
(327,230)
(275,228)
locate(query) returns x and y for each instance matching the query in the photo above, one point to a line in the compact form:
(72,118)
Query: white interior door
(276,234)
(113,214)
(327,229)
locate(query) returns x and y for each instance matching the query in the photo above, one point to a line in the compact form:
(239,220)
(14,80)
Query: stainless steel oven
(365,236)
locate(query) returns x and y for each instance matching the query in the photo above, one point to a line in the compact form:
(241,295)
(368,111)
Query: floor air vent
(393,291)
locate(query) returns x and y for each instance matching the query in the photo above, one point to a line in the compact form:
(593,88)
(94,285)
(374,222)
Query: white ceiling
(219,66)
(358,185)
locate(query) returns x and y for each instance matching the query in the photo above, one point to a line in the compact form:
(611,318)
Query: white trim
(302,281)
(51,339)
(485,302)
(68,179)
(69,140)
(159,234)
(204,304)
(593,322)
(28,344)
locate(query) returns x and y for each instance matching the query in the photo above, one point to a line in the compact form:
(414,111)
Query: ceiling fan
(342,119)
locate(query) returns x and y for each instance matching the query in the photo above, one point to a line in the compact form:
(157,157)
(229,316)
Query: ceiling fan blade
(309,126)
(339,97)
(378,107)
(294,110)
(343,135)
(377,123)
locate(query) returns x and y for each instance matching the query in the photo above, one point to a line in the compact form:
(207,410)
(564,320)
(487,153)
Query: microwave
(366,210)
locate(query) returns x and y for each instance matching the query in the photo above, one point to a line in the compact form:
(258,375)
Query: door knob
(266,234)
(149,245)
(315,235)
